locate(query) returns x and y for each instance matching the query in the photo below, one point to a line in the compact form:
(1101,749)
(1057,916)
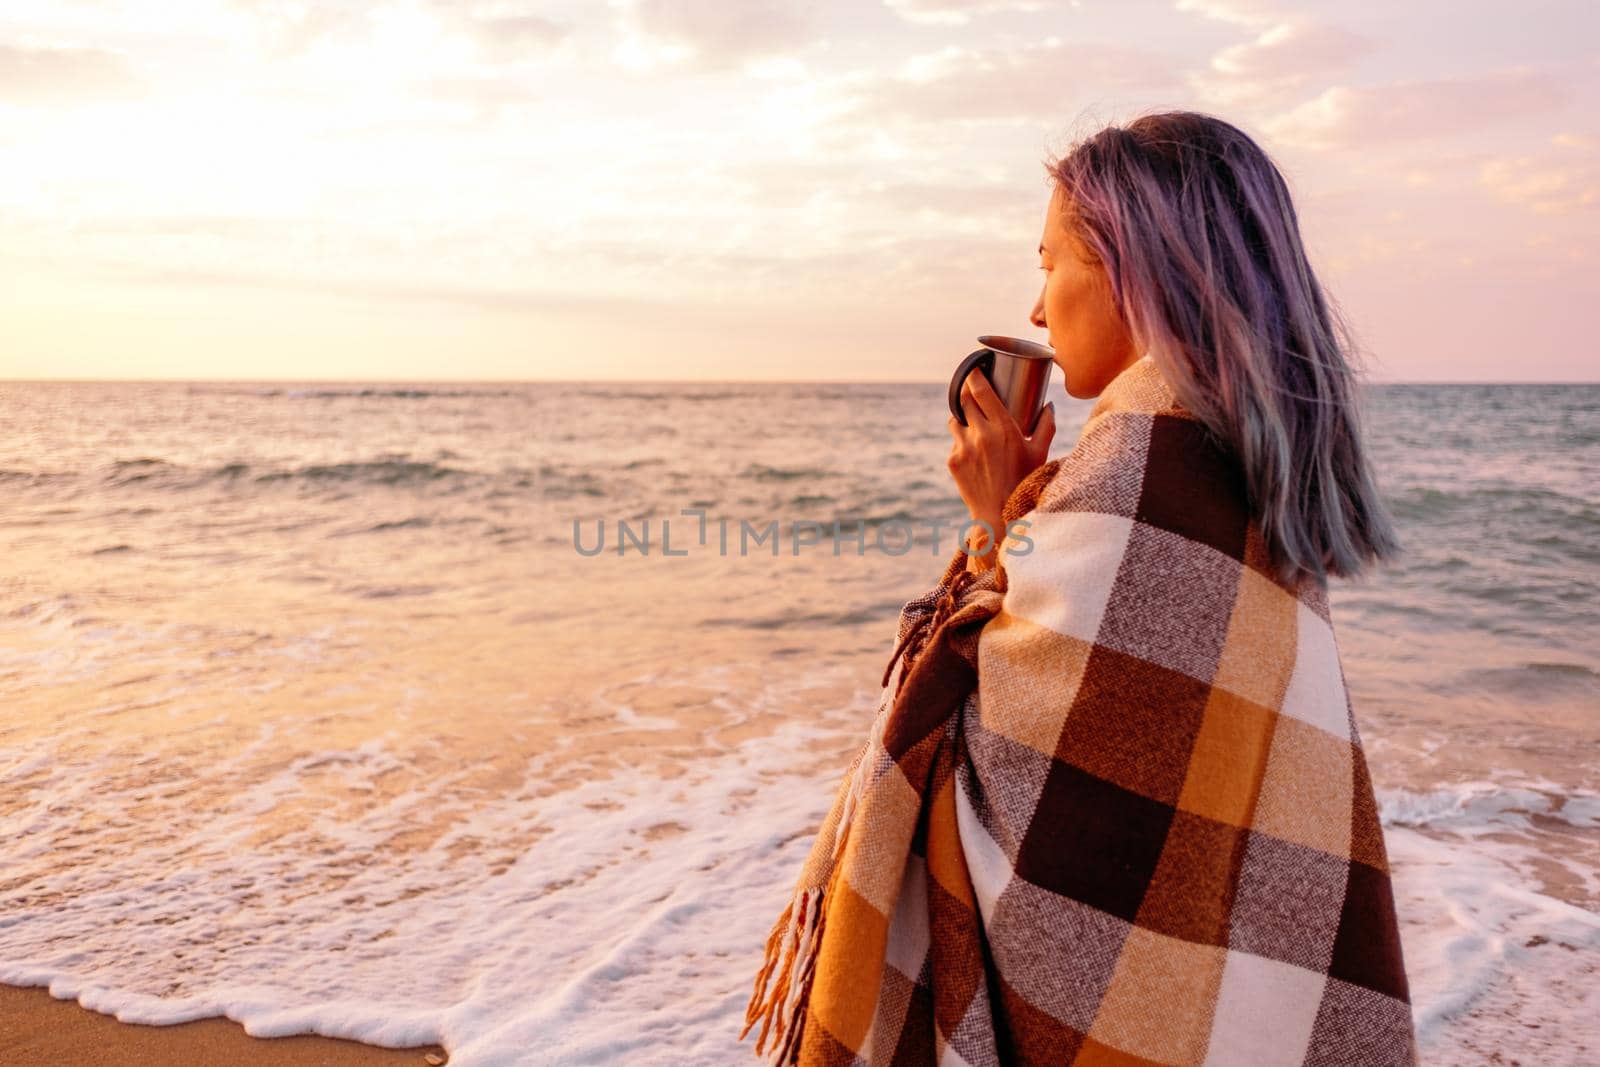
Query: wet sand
(36,1028)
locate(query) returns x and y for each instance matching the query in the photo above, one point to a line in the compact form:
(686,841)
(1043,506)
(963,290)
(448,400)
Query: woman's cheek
(1059,316)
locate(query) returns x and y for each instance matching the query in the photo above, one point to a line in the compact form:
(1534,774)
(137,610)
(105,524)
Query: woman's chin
(1077,389)
(1086,381)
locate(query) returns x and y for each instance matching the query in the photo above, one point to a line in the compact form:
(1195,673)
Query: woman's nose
(1036,316)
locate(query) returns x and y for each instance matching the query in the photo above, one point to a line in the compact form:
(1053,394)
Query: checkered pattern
(1113,807)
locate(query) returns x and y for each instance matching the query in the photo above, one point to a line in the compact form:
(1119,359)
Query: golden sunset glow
(422,189)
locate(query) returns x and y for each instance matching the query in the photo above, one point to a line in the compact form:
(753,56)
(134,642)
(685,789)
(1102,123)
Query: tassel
(795,989)
(796,937)
(801,932)
(780,945)
(911,644)
(796,1013)
(913,636)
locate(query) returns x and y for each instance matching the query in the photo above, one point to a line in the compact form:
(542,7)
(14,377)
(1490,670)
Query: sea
(502,715)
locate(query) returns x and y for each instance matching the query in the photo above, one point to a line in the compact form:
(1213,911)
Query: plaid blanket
(1112,808)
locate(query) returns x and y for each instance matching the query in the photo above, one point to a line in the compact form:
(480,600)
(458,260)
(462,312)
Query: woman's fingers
(969,403)
(987,399)
(989,456)
(1044,431)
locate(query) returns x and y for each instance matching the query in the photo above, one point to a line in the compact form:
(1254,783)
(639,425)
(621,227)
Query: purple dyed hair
(1196,231)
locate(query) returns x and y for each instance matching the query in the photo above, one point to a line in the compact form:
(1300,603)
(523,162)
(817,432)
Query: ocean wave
(762,473)
(660,394)
(414,523)
(1430,503)
(838,394)
(130,471)
(370,393)
(417,522)
(384,592)
(62,608)
(395,471)
(1480,806)
(622,394)
(580,486)
(331,480)
(900,515)
(871,613)
(1547,680)
(731,394)
(34,477)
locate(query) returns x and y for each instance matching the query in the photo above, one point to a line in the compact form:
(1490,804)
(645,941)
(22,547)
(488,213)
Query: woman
(1113,807)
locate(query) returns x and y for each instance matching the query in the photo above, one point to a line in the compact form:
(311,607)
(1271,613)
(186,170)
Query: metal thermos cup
(1019,371)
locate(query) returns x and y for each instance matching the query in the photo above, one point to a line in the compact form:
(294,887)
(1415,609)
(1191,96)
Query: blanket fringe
(794,941)
(792,946)
(790,1052)
(780,943)
(910,646)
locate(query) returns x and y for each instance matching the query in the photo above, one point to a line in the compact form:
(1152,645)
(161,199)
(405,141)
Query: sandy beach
(36,1028)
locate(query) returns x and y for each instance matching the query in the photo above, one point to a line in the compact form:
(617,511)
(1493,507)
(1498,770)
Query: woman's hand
(991,456)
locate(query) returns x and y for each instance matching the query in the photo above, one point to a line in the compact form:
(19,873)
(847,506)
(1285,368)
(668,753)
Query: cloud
(501,30)
(290,27)
(981,201)
(1285,55)
(706,34)
(875,197)
(482,297)
(1562,182)
(1349,117)
(960,12)
(51,75)
(506,34)
(1292,50)
(1577,140)
(1239,12)
(1441,169)
(1039,81)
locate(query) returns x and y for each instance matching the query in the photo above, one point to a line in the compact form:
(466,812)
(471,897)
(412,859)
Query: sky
(749,189)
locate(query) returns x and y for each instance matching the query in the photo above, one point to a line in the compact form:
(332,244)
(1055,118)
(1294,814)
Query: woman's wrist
(983,545)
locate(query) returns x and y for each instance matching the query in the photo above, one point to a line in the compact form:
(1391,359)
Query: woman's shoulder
(1142,452)
(1146,460)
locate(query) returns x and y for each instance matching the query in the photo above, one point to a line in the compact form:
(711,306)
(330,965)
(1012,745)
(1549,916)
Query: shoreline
(35,1027)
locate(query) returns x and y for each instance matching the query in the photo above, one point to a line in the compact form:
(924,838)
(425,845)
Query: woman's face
(1092,342)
